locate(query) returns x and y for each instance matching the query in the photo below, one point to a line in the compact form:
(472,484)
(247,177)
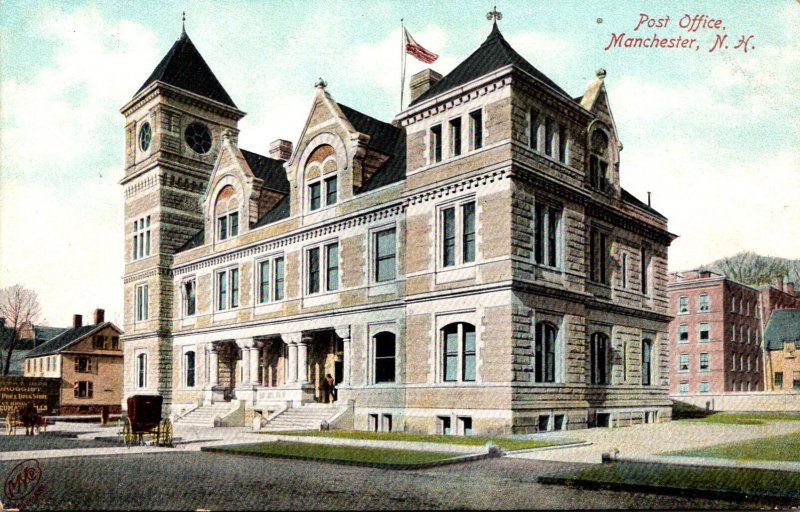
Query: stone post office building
(472,266)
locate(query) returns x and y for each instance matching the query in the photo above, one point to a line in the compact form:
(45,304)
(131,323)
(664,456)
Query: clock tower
(174,127)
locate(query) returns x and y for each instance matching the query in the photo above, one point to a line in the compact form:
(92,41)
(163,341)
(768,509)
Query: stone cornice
(470,183)
(190,98)
(159,269)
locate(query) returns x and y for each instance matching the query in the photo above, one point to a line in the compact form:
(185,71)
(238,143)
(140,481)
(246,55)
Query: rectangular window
(598,256)
(190,297)
(83,364)
(466,425)
(263,281)
(386,423)
(704,333)
(598,170)
(703,387)
(468,234)
(533,129)
(546,223)
(141,306)
(683,388)
(705,365)
(683,363)
(222,290)
(141,238)
(331,190)
(385,255)
(476,129)
(233,219)
(115,343)
(222,228)
(549,136)
(449,239)
(278,279)
(563,137)
(451,355)
(683,306)
(227,289)
(683,333)
(624,270)
(332,267)
(444,425)
(778,380)
(84,389)
(313,270)
(645,262)
(468,357)
(436,144)
(234,278)
(455,137)
(704,305)
(314,191)
(796,380)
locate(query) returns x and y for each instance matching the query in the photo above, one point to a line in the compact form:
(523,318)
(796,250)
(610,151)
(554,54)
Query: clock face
(198,138)
(145,136)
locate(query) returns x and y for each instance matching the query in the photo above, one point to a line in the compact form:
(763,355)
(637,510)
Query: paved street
(191,480)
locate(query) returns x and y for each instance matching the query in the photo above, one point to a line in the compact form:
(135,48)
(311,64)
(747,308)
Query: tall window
(384,357)
(140,303)
(82,364)
(476,129)
(598,161)
(455,136)
(545,353)
(546,226)
(563,138)
(189,365)
(645,270)
(385,255)
(598,256)
(683,333)
(189,297)
(227,289)
(141,371)
(704,304)
(705,365)
(278,276)
(624,270)
(599,358)
(436,144)
(533,129)
(704,332)
(647,362)
(458,343)
(322,261)
(778,380)
(270,279)
(141,238)
(549,136)
(683,305)
(314,196)
(227,214)
(683,363)
(331,190)
(458,224)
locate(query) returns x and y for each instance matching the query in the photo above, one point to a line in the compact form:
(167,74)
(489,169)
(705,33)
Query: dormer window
(322,182)
(227,214)
(598,161)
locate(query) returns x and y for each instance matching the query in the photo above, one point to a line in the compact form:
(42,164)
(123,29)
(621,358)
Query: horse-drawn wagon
(144,419)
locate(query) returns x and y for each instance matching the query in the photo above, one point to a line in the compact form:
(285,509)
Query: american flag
(415,50)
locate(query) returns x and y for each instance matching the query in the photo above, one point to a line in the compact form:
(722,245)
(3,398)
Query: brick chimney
(280,149)
(422,81)
(99,316)
(77,321)
(779,283)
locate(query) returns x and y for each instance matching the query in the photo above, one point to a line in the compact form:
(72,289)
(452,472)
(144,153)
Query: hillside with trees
(756,270)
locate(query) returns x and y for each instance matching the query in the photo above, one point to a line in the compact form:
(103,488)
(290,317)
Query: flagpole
(403,61)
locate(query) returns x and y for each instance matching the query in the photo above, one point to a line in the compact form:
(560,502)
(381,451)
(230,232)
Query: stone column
(343,331)
(245,365)
(213,379)
(292,362)
(302,359)
(254,358)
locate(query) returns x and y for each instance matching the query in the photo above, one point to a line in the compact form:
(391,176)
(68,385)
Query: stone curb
(723,494)
(571,444)
(378,465)
(375,443)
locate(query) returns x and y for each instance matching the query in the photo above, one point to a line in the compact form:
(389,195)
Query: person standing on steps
(330,385)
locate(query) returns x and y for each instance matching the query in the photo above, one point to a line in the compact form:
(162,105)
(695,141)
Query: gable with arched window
(322,179)
(599,160)
(458,352)
(226,213)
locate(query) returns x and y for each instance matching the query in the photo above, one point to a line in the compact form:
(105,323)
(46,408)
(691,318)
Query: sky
(712,135)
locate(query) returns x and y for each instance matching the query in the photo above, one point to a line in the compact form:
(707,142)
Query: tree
(19,306)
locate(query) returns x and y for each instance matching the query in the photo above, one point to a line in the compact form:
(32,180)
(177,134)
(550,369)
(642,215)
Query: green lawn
(336,453)
(779,448)
(752,481)
(743,419)
(503,442)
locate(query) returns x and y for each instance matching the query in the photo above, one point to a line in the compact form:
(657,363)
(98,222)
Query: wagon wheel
(155,434)
(127,432)
(166,433)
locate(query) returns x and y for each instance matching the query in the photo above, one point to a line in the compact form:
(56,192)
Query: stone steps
(204,415)
(302,418)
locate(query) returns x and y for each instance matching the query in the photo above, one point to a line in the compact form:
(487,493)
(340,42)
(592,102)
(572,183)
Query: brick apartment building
(473,266)
(88,360)
(715,336)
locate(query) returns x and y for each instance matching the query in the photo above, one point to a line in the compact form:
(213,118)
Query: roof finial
(321,84)
(495,15)
(601,73)
(183,24)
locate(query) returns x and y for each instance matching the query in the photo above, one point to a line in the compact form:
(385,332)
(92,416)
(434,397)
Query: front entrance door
(322,361)
(228,356)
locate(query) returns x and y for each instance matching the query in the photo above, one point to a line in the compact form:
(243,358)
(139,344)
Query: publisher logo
(23,485)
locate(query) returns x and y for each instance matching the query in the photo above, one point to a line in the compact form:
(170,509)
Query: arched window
(598,355)
(458,352)
(141,370)
(545,353)
(226,211)
(385,348)
(598,160)
(322,181)
(647,361)
(189,366)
